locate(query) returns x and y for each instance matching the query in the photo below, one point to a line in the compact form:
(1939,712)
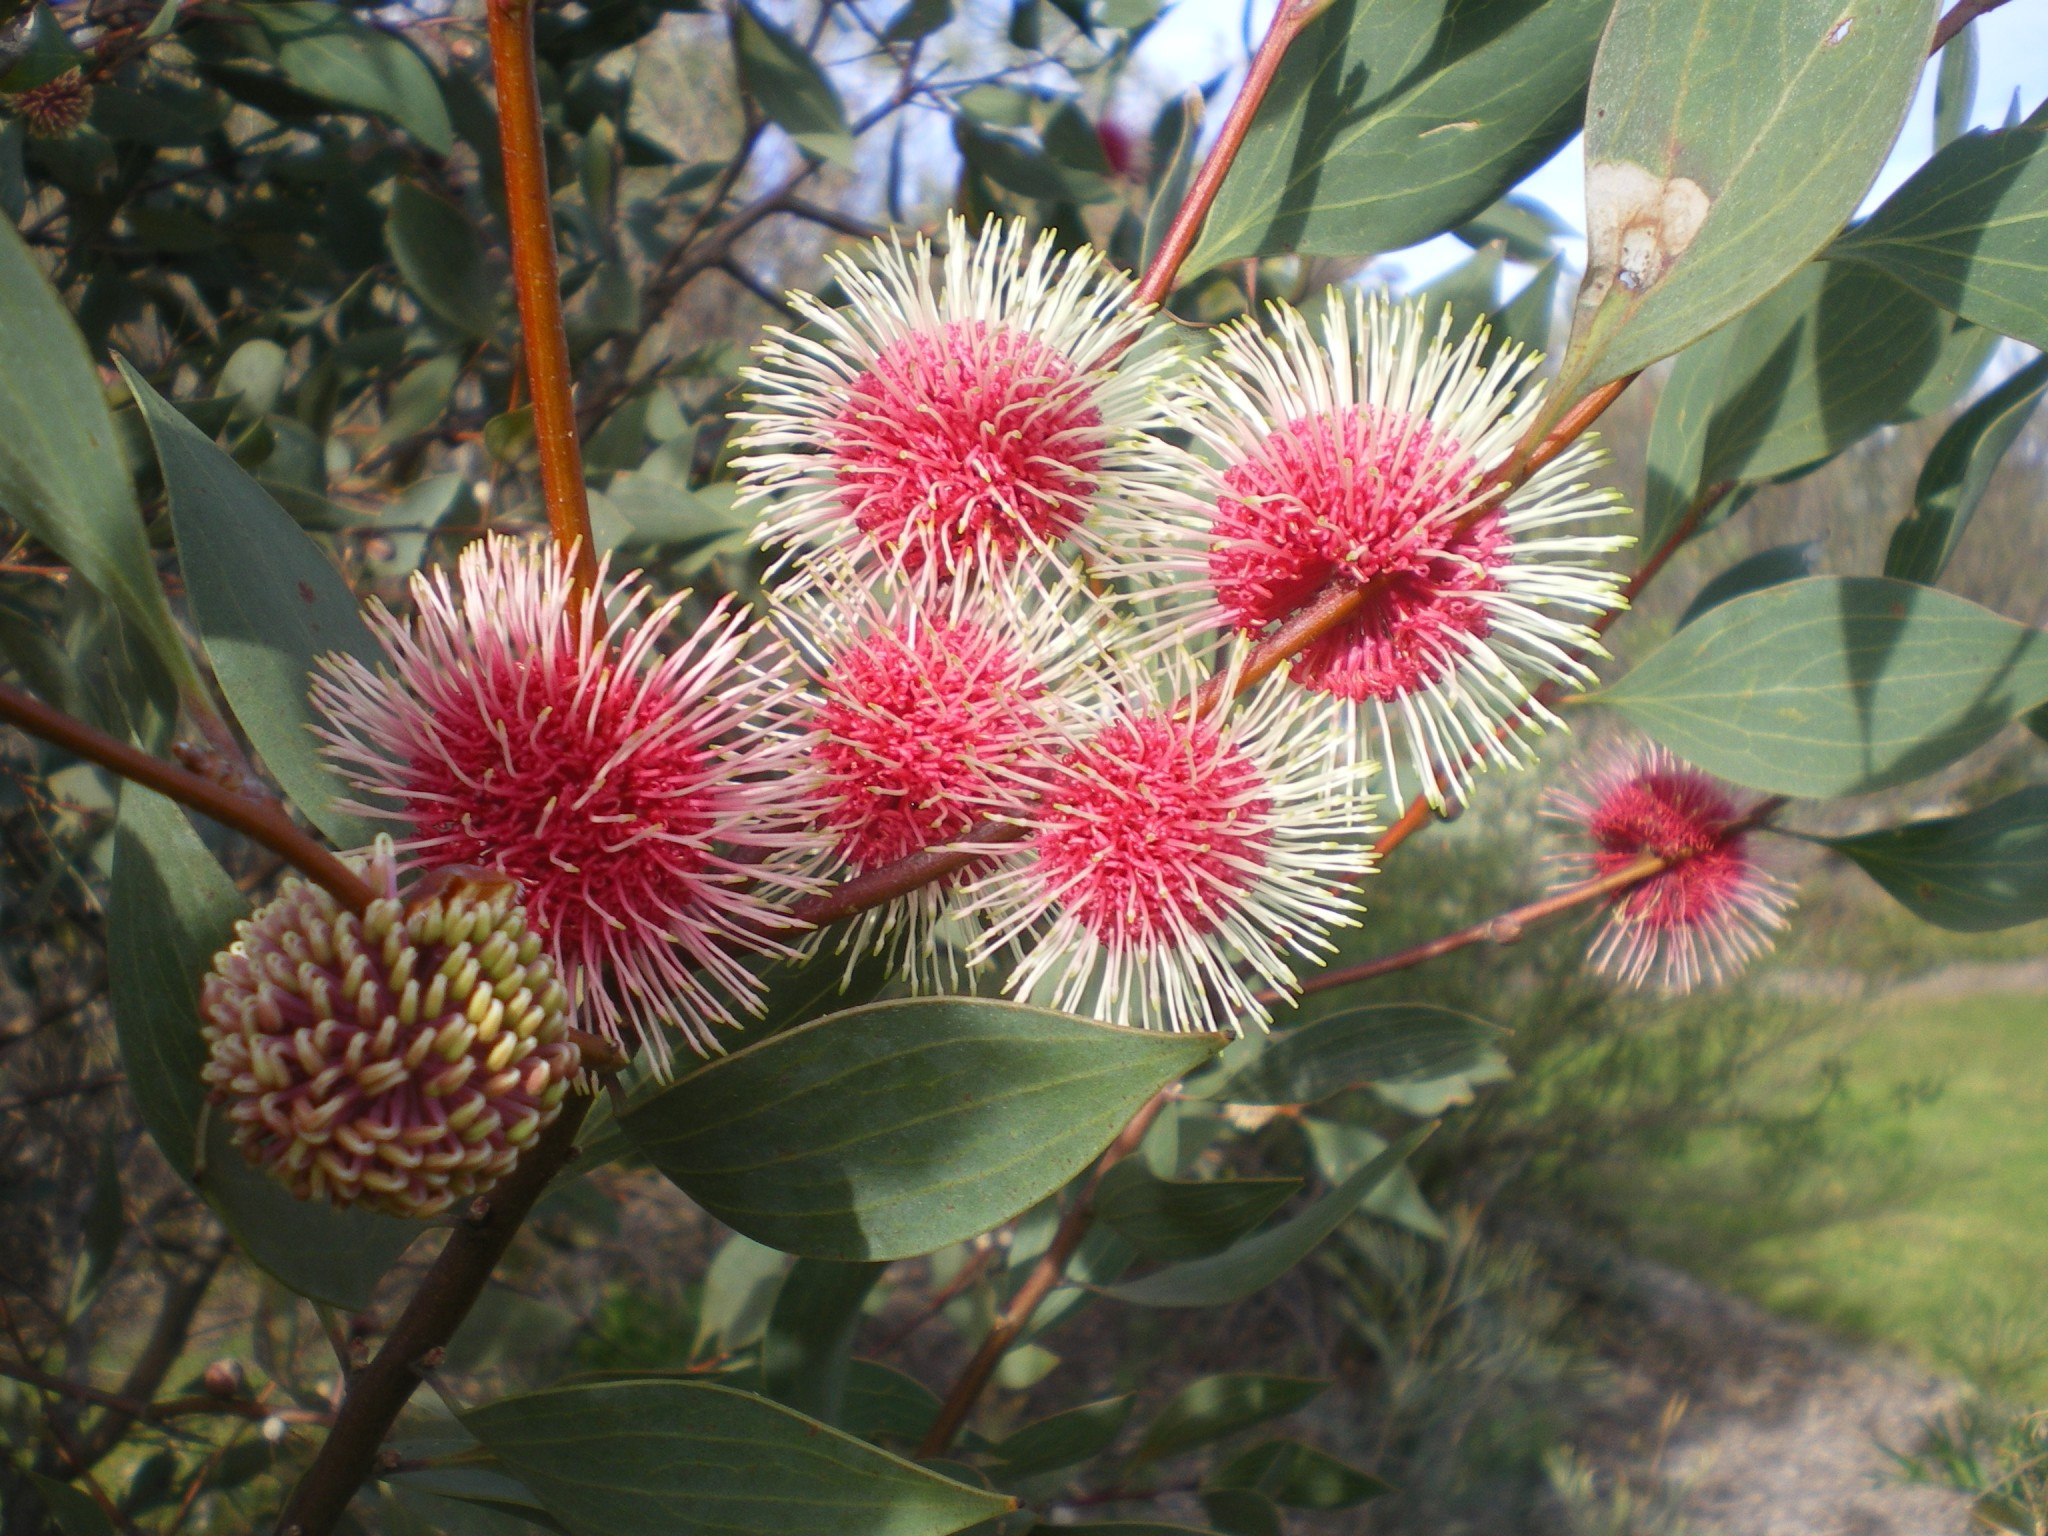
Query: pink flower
(641,801)
(931,709)
(1365,460)
(1168,854)
(401,1060)
(956,423)
(1706,916)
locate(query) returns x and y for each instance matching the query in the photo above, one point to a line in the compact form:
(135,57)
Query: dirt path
(1759,1426)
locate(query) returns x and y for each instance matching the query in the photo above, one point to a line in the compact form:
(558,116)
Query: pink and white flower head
(1174,863)
(932,709)
(1704,918)
(1367,459)
(642,801)
(960,414)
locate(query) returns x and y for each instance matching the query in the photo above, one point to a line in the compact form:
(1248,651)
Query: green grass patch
(1911,1205)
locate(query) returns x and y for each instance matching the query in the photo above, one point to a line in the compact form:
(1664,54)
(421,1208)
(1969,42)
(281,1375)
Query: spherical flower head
(1367,461)
(1703,918)
(645,803)
(56,108)
(400,1060)
(959,415)
(1169,853)
(930,710)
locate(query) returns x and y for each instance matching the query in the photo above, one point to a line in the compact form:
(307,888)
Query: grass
(1915,1208)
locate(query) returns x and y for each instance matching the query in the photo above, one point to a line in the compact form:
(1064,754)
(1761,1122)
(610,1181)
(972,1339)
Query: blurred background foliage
(286,214)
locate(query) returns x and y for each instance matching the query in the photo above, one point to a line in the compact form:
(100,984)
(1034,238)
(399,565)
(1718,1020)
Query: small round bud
(224,1379)
(400,1060)
(55,108)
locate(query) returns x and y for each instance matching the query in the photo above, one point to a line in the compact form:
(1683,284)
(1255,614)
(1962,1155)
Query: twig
(970,1272)
(1508,927)
(380,1390)
(1965,12)
(536,279)
(1286,26)
(1038,1284)
(1416,816)
(262,823)
(134,1408)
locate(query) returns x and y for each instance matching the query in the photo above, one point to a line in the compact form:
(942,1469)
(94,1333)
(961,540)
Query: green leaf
(794,993)
(809,1343)
(325,50)
(1726,143)
(1216,1406)
(1955,86)
(881,1400)
(1390,121)
(1766,568)
(171,908)
(787,84)
(1299,1476)
(1368,1044)
(1184,1218)
(898,1128)
(421,399)
(1242,1512)
(1065,1439)
(671,1458)
(1121,1528)
(72,1509)
(1525,320)
(267,602)
(1957,473)
(441,258)
(917,18)
(1834,354)
(1341,1148)
(1176,149)
(1835,685)
(62,476)
(1529,230)
(1677,452)
(1983,870)
(740,1289)
(1969,229)
(1257,1261)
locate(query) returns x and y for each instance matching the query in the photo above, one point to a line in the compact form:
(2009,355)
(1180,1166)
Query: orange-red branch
(1288,21)
(537,281)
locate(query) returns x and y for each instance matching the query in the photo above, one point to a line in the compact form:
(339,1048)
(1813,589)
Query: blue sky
(1197,38)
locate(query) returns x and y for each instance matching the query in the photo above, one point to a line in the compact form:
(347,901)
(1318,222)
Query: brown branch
(1045,1274)
(1286,26)
(135,1408)
(166,1343)
(1960,17)
(529,215)
(265,823)
(380,1390)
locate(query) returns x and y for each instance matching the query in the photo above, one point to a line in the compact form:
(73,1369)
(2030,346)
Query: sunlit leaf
(329,52)
(1726,143)
(1835,685)
(1969,229)
(1390,121)
(897,1128)
(787,84)
(1216,1406)
(1983,870)
(1957,473)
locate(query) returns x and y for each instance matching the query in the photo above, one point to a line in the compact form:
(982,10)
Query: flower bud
(224,1379)
(400,1060)
(55,108)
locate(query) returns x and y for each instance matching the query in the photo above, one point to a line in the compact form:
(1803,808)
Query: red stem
(537,281)
(263,823)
